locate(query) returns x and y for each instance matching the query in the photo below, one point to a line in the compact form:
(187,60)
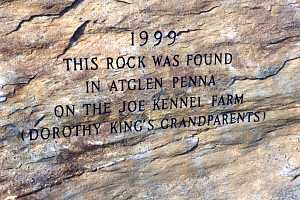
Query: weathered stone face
(218,145)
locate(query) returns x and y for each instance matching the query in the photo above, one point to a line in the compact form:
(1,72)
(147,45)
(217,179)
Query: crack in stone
(18,110)
(295,177)
(49,185)
(185,13)
(188,31)
(73,5)
(75,37)
(278,41)
(277,71)
(117,29)
(192,13)
(200,12)
(29,79)
(5,1)
(125,2)
(4,98)
(193,143)
(39,120)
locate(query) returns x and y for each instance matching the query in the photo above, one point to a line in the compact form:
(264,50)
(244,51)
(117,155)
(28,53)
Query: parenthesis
(22,135)
(264,116)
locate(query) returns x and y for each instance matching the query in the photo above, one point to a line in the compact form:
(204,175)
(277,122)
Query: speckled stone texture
(248,161)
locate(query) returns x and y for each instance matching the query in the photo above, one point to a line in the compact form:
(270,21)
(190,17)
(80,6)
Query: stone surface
(240,161)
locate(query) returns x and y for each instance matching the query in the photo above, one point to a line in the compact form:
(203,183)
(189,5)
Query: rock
(227,159)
